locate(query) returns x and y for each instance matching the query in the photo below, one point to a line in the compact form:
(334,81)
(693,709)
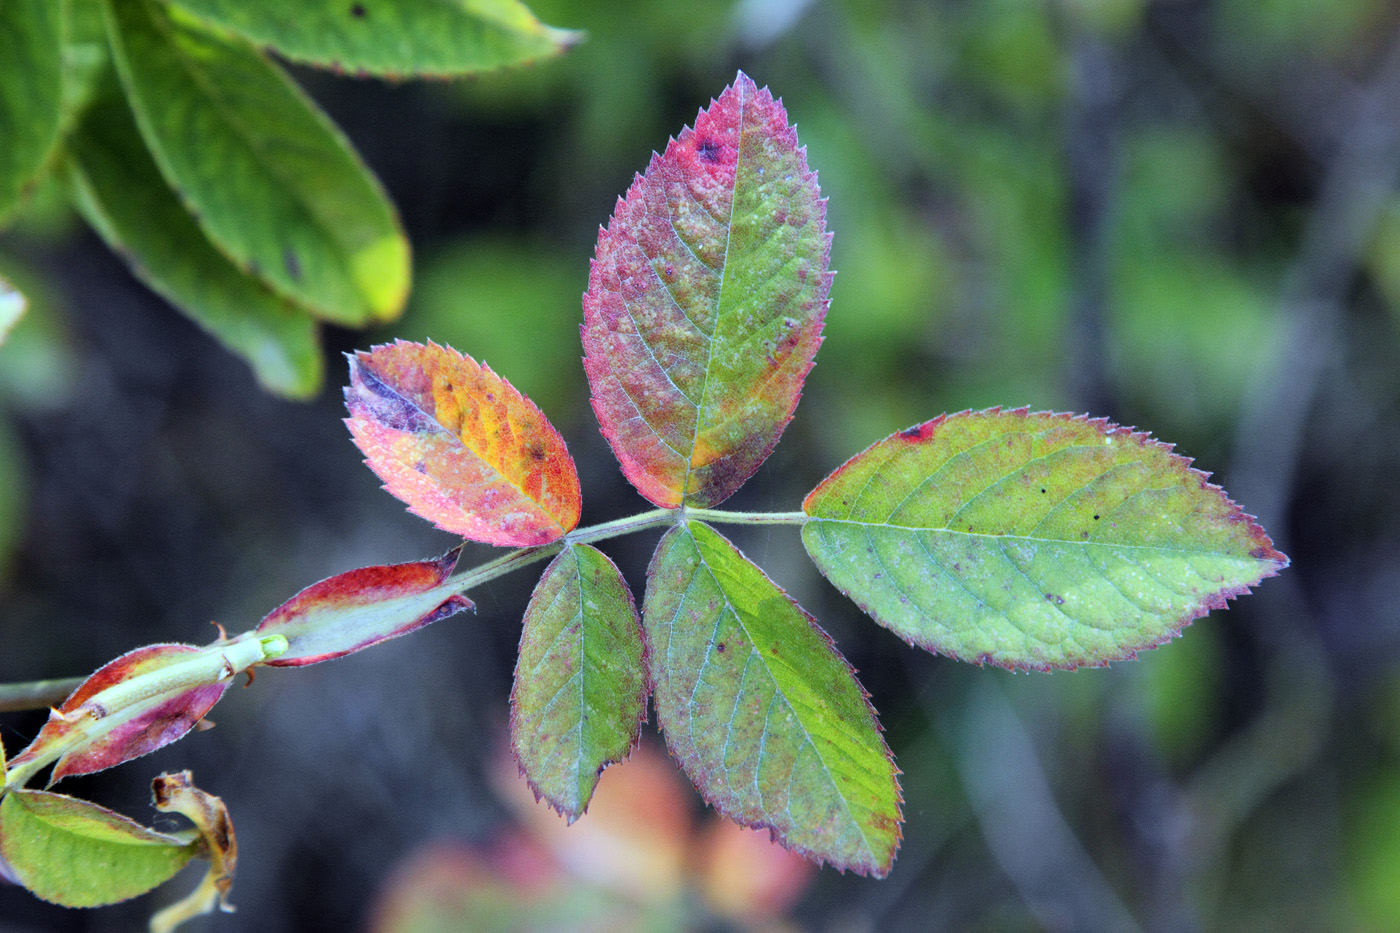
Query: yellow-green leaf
(265,173)
(78,854)
(580,684)
(763,713)
(1032,540)
(395,39)
(116,187)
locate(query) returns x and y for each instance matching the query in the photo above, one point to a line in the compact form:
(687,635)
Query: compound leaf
(461,445)
(763,713)
(1032,540)
(265,173)
(706,300)
(405,37)
(353,610)
(78,854)
(119,191)
(31,93)
(580,684)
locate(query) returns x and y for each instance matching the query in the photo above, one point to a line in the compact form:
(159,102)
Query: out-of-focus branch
(1357,183)
(36,694)
(1091,127)
(1023,826)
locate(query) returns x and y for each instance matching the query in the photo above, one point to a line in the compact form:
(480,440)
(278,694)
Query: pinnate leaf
(78,854)
(394,39)
(461,445)
(580,686)
(1032,540)
(763,713)
(268,177)
(112,717)
(31,93)
(353,610)
(119,191)
(706,300)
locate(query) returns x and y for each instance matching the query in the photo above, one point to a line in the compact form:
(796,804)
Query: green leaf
(266,174)
(78,854)
(405,37)
(85,58)
(580,689)
(31,93)
(763,713)
(116,187)
(705,304)
(1032,540)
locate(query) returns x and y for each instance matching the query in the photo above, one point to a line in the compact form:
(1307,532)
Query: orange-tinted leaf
(705,303)
(359,608)
(461,445)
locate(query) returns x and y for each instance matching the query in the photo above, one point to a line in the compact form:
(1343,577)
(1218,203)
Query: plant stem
(36,694)
(43,693)
(747,518)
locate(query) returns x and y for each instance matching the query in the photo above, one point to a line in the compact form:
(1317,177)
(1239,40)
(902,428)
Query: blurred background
(1182,215)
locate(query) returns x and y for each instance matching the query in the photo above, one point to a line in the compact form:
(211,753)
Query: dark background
(1180,215)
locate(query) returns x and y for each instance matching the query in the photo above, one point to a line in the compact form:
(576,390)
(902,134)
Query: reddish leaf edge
(360,370)
(642,716)
(633,469)
(440,567)
(817,858)
(1264,551)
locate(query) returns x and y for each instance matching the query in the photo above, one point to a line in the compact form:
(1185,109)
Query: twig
(36,694)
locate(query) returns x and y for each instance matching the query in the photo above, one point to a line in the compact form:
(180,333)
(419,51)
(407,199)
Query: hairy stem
(720,516)
(44,693)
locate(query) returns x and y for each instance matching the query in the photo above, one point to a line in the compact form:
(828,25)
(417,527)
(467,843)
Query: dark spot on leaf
(1096,518)
(420,466)
(537,451)
(289,259)
(670,271)
(719,646)
(1042,490)
(707,150)
(1057,600)
(358,11)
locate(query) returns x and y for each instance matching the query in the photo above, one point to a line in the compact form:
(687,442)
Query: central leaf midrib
(703,408)
(780,692)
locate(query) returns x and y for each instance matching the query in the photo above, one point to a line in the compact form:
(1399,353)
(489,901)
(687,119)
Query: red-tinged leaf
(705,303)
(763,712)
(580,689)
(359,608)
(121,712)
(461,445)
(77,854)
(1032,540)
